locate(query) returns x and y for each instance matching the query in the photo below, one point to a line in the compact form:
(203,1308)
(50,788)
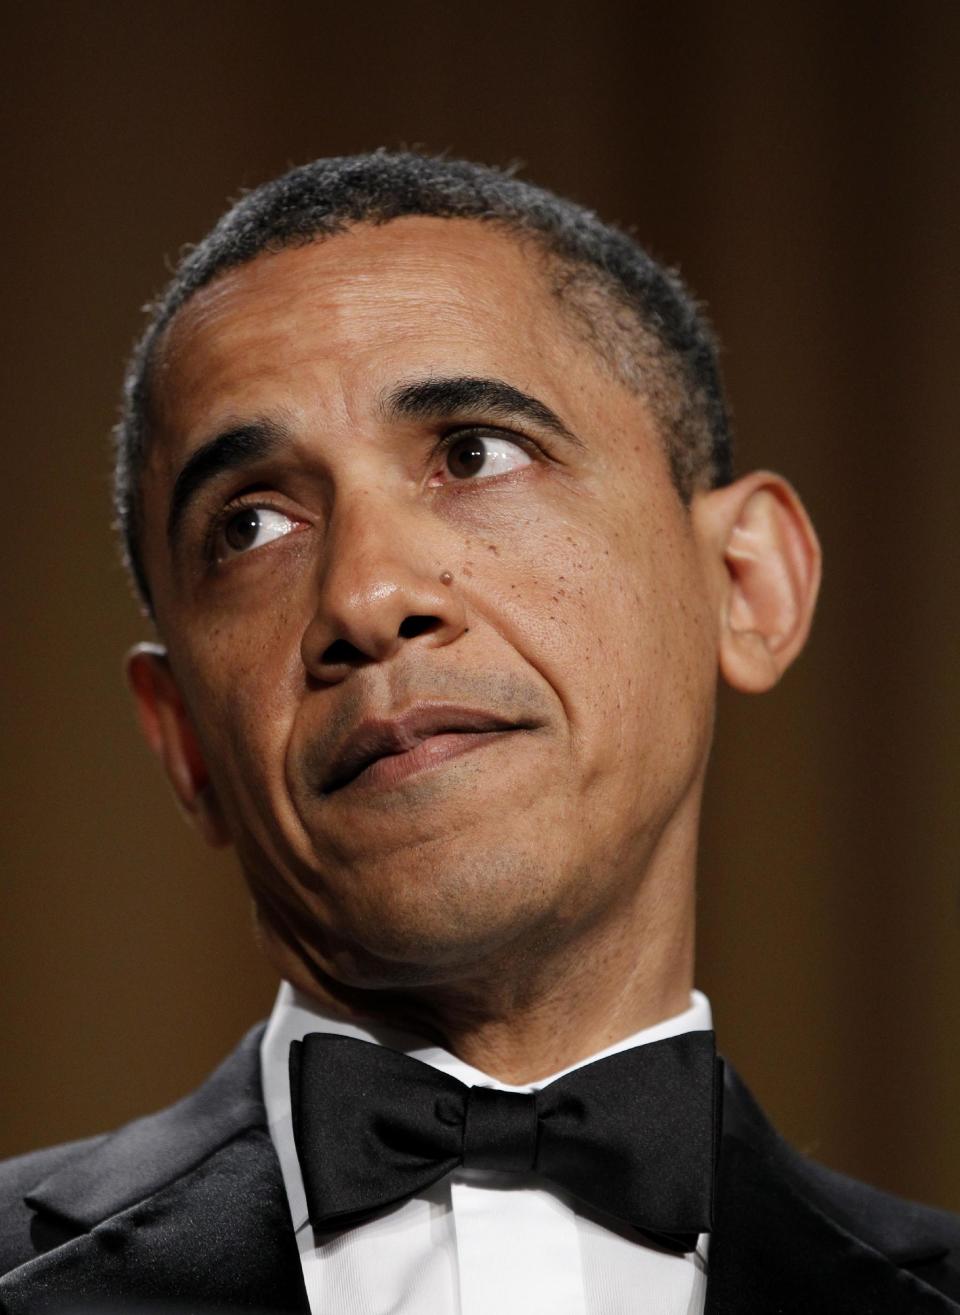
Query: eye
(472,454)
(252,527)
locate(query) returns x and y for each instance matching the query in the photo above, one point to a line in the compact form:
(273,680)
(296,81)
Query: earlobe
(169,732)
(770,579)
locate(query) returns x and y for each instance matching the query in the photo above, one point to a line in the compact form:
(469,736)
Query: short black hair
(638,314)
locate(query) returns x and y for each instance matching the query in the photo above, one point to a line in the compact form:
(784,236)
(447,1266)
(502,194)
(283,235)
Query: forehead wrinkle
(203,358)
(342,280)
(341,271)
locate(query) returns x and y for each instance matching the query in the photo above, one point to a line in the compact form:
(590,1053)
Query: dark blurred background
(798,161)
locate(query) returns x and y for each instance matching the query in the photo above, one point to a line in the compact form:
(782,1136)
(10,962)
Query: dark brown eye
(240,531)
(466,457)
(469,456)
(249,528)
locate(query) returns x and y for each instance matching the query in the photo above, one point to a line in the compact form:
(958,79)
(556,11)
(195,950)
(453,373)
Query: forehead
(345,316)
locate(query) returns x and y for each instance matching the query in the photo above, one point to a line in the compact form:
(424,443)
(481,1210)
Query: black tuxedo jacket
(187,1207)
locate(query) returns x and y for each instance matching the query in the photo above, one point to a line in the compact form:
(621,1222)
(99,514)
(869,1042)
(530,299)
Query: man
(425,480)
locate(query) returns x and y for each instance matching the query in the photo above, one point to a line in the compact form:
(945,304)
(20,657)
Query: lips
(442,729)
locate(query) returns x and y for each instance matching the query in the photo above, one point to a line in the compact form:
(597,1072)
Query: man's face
(447,648)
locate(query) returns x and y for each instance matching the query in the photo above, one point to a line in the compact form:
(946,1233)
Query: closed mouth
(384,752)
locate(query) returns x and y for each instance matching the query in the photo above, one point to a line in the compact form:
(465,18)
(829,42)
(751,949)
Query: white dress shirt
(478,1242)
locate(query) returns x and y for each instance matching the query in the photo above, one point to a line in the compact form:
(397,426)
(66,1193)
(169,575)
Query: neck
(577,1004)
(542,1007)
(532,1024)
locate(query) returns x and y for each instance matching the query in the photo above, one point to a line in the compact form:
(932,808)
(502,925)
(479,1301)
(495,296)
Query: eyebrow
(228,451)
(438,399)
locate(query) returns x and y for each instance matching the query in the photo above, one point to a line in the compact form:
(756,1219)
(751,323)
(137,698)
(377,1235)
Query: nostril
(342,653)
(411,626)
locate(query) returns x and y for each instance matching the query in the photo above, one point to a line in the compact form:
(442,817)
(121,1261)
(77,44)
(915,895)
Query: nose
(382,586)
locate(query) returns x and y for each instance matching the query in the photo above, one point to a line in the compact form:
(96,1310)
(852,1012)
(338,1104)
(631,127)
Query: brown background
(799,162)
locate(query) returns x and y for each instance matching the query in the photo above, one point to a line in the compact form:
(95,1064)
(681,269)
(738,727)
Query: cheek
(242,682)
(610,610)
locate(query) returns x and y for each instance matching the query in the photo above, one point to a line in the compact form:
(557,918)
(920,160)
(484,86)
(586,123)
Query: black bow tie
(634,1135)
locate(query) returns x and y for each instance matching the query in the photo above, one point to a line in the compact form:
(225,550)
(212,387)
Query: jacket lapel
(186,1205)
(784,1240)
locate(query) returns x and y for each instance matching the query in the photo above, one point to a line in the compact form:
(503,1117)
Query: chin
(410,931)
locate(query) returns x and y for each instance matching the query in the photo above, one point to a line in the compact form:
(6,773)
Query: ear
(765,564)
(169,732)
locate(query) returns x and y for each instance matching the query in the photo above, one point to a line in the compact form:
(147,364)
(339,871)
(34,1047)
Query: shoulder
(923,1239)
(918,1238)
(52,1195)
(852,1202)
(18,1177)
